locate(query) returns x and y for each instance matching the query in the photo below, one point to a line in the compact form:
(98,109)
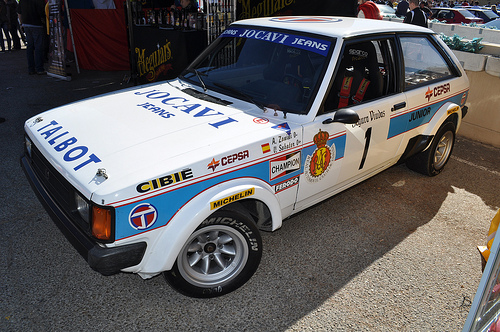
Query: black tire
(432,161)
(219,257)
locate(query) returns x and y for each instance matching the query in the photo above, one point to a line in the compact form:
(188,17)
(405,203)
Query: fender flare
(162,253)
(444,114)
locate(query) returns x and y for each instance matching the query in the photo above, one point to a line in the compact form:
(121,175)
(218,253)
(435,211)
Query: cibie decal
(319,163)
(165,180)
(284,165)
(143,216)
(233,198)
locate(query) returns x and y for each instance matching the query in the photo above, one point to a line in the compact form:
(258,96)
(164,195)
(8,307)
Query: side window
(366,72)
(423,62)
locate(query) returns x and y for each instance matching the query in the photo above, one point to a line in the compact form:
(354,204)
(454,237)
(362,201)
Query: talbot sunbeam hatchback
(276,115)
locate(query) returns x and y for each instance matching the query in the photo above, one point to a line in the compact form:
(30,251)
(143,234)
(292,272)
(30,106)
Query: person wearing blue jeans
(34,49)
(32,17)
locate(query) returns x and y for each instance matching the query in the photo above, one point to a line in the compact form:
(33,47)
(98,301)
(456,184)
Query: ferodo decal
(165,180)
(57,137)
(233,198)
(143,216)
(284,165)
(286,184)
(319,163)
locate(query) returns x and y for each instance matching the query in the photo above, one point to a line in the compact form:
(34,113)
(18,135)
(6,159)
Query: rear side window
(423,62)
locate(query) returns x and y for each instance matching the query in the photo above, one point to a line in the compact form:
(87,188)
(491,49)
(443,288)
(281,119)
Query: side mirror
(346,116)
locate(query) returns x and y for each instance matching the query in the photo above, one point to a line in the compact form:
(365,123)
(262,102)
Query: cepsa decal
(284,165)
(303,42)
(57,137)
(232,158)
(437,91)
(180,104)
(233,198)
(165,181)
(319,163)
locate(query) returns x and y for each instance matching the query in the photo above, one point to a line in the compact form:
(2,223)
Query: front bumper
(107,261)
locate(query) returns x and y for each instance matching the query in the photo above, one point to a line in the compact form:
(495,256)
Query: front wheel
(432,161)
(220,256)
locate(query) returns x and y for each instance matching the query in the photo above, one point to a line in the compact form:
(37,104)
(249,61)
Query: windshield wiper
(198,75)
(241,94)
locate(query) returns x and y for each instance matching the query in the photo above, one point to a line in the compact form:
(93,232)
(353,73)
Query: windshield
(491,14)
(271,69)
(466,13)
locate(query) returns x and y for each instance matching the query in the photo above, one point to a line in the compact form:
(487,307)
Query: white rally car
(276,115)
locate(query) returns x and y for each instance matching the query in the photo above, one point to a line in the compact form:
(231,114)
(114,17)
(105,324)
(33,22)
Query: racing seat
(358,79)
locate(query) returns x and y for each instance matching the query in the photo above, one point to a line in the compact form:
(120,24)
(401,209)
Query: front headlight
(83,207)
(27,143)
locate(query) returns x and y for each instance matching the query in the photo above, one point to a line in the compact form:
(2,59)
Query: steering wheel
(292,79)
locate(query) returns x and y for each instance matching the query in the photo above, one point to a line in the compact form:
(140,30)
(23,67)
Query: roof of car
(340,27)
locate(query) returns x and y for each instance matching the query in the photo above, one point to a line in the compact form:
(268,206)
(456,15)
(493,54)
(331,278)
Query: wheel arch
(449,112)
(253,197)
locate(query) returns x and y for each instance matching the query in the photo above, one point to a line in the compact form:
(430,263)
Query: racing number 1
(368,136)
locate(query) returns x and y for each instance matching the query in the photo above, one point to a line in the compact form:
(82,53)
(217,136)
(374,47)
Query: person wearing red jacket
(368,9)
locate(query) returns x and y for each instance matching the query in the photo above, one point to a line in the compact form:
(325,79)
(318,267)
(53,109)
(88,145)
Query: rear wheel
(220,256)
(432,161)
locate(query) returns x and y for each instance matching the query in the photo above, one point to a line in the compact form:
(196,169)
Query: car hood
(117,140)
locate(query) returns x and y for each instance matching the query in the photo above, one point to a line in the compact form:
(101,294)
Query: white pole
(71,33)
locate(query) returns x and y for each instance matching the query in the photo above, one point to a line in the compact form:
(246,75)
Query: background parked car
(386,11)
(486,15)
(455,16)
(493,24)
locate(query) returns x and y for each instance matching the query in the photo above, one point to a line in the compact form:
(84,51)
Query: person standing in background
(416,16)
(32,18)
(402,8)
(4,25)
(368,9)
(12,11)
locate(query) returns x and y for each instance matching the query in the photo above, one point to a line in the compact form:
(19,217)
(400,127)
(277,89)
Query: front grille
(57,187)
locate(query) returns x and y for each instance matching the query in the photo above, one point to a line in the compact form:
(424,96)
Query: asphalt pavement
(394,253)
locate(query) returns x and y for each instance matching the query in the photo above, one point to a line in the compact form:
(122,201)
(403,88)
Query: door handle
(398,106)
